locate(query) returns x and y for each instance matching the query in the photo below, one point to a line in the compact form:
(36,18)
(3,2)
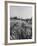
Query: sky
(23,12)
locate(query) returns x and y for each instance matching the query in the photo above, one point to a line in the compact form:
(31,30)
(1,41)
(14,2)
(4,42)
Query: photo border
(6,22)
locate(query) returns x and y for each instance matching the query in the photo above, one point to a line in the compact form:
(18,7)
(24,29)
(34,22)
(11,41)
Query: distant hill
(21,19)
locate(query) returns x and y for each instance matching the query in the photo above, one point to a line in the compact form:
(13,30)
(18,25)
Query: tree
(15,17)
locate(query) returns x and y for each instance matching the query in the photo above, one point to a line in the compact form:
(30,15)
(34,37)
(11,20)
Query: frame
(7,22)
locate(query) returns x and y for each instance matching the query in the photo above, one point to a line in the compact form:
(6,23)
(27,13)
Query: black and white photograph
(21,22)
